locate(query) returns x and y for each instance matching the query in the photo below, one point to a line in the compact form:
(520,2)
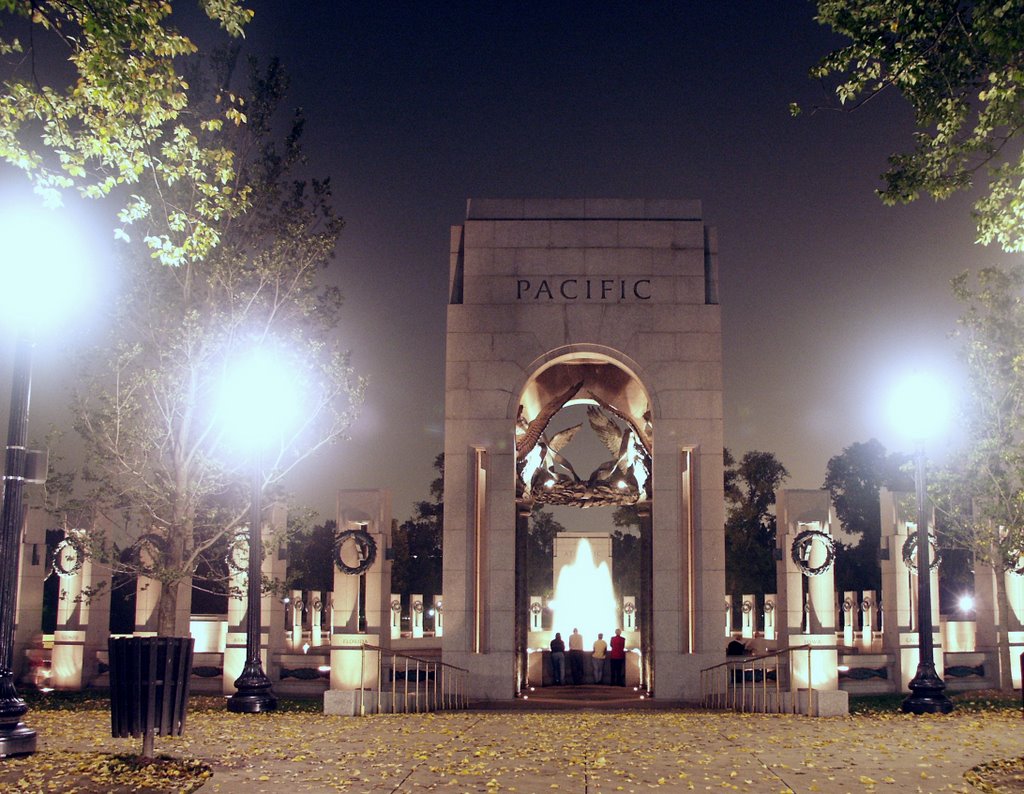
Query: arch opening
(584,439)
(618,411)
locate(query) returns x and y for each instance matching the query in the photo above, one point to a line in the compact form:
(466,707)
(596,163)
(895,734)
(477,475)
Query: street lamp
(42,275)
(920,408)
(259,401)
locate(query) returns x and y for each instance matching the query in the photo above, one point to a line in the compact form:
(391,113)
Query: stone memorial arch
(610,304)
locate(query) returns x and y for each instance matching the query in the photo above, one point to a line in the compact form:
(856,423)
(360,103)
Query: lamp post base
(253,695)
(16,738)
(19,740)
(927,695)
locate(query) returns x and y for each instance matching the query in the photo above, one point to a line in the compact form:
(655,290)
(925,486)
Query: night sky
(827,295)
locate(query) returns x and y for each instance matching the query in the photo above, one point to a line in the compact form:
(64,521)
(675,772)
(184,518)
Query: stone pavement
(580,750)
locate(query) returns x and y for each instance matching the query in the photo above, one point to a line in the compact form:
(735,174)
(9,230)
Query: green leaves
(122,116)
(960,66)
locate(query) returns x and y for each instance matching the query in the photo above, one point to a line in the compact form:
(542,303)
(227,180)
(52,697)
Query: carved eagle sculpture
(643,434)
(544,466)
(614,439)
(529,433)
(631,464)
(539,458)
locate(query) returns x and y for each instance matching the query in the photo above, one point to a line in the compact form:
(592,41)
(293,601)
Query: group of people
(615,653)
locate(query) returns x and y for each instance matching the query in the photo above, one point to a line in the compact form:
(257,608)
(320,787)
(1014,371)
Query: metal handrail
(444,685)
(725,685)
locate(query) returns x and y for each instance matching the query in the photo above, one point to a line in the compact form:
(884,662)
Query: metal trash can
(150,679)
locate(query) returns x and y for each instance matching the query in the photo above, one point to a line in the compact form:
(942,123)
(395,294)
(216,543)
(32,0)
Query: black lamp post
(926,687)
(15,737)
(253,693)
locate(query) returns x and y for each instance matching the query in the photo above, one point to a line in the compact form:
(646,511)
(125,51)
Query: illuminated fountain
(584,597)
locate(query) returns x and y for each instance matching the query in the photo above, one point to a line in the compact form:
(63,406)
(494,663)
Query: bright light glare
(44,266)
(920,406)
(966,603)
(260,399)
(584,597)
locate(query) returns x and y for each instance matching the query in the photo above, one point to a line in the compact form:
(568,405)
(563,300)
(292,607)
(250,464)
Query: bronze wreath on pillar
(69,556)
(366,549)
(909,552)
(801,551)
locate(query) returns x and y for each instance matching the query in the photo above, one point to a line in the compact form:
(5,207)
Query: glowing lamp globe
(44,266)
(920,406)
(260,399)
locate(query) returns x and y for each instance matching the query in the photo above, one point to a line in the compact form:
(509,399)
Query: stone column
(83,610)
(770,634)
(535,620)
(378,583)
(850,610)
(1015,623)
(396,616)
(747,615)
(629,613)
(992,628)
(234,644)
(295,607)
(364,519)
(75,572)
(316,614)
(32,573)
(806,560)
(438,616)
(416,609)
(275,569)
(868,607)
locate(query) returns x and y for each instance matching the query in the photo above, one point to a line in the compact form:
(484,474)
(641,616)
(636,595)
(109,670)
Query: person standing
(576,656)
(617,657)
(557,659)
(597,659)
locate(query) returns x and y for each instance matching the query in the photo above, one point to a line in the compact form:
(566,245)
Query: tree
(981,496)
(311,557)
(626,551)
(960,66)
(115,114)
(750,487)
(853,479)
(418,543)
(541,533)
(148,405)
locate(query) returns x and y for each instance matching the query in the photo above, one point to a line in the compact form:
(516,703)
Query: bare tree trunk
(167,610)
(147,744)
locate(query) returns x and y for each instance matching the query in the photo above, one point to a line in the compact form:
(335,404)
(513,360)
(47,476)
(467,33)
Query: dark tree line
(750,486)
(853,479)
